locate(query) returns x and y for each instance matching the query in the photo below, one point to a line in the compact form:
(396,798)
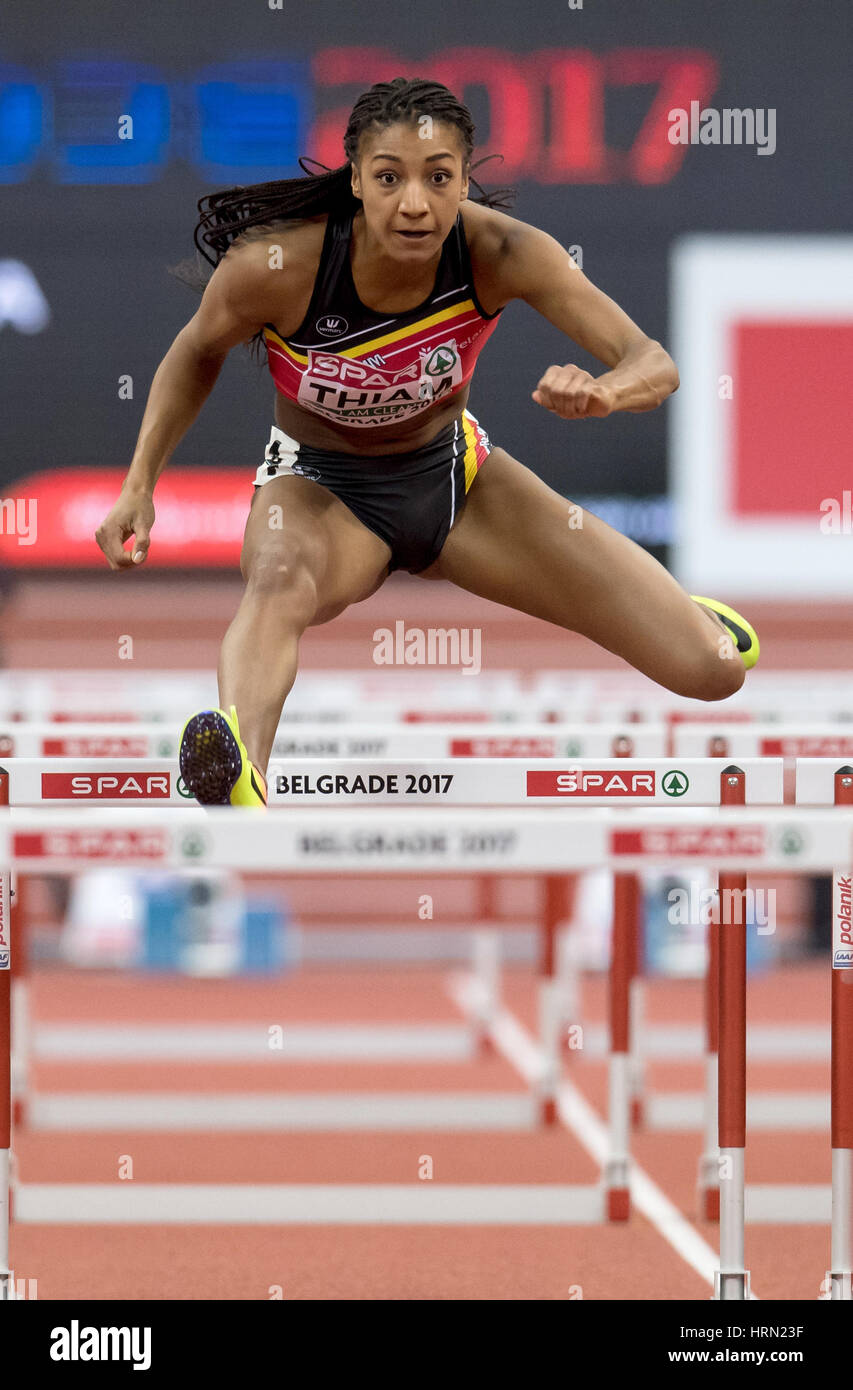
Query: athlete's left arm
(537,269)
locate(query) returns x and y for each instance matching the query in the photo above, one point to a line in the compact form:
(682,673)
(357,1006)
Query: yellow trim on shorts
(470,451)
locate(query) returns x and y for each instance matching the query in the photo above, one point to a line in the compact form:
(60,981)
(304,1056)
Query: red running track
(395,1262)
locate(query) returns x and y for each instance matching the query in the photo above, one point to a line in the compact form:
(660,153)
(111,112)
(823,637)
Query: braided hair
(234,212)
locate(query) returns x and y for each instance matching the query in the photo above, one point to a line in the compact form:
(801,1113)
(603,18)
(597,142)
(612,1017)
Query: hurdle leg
(553,914)
(708,1186)
(617,1165)
(486,969)
(709,1163)
(636,1024)
(568,986)
(839,1279)
(732,1278)
(20,1007)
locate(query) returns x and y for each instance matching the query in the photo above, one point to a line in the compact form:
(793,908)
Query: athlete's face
(411,180)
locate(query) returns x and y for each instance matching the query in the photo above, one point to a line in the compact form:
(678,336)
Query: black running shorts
(410,500)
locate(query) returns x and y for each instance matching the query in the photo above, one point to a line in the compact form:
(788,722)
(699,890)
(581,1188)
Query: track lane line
(517,1046)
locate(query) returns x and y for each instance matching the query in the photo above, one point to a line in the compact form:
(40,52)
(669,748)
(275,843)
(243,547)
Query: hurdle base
(840,1285)
(484,1046)
(548,1111)
(617,1192)
(731,1285)
(618,1204)
(708,1188)
(709,1204)
(7,1286)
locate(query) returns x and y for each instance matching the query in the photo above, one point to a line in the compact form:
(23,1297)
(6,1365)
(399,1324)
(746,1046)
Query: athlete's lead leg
(305,558)
(521,544)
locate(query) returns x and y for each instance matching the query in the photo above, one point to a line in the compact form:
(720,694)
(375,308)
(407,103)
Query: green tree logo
(675,783)
(443,360)
(193,845)
(791,841)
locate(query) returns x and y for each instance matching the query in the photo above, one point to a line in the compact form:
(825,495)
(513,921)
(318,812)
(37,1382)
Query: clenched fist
(573,394)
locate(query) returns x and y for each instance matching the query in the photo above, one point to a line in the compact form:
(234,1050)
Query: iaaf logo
(105,786)
(592,782)
(842,933)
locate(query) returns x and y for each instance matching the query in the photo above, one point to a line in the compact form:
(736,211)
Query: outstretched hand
(132,515)
(573,394)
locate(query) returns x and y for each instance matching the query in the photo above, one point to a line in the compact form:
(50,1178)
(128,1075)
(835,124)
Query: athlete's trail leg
(520,543)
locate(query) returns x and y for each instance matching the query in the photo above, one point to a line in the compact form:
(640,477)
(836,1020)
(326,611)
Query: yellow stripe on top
(375,343)
(470,451)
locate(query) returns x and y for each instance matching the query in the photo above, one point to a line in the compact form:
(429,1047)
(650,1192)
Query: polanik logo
(332,325)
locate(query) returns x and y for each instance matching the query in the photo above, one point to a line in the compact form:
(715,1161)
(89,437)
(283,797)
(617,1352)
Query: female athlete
(374,287)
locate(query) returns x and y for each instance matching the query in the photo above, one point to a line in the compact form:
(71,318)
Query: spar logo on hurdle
(701,841)
(103,746)
(117,846)
(591,782)
(132,786)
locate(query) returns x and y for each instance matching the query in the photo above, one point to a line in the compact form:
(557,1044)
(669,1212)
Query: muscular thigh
(520,543)
(296,524)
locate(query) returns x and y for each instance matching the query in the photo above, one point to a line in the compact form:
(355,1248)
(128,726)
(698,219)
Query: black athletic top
(354,366)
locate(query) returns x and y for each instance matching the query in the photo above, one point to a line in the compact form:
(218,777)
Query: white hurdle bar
(440,693)
(355,740)
(432,839)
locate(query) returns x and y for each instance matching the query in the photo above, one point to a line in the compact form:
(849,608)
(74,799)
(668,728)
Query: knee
(720,676)
(284,573)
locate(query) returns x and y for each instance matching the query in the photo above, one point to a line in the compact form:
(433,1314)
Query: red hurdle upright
(709,1163)
(732,1278)
(840,1275)
(626,911)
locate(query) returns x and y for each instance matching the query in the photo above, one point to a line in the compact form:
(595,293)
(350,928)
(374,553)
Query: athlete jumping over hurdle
(374,288)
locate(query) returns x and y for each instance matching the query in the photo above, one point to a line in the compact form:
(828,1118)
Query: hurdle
(820,782)
(88,741)
(352,740)
(420,698)
(428,838)
(460,781)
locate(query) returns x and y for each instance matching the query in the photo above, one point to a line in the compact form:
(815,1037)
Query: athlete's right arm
(235,305)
